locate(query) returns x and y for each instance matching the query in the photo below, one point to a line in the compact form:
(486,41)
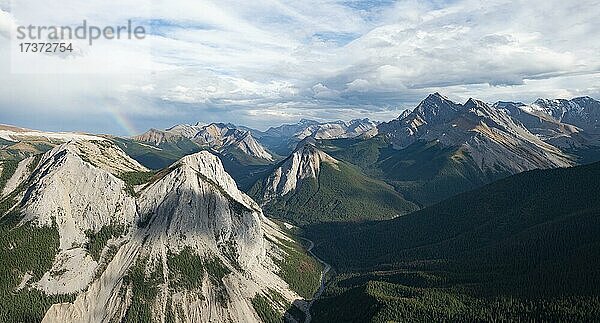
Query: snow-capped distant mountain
(364,128)
(544,126)
(325,130)
(583,112)
(341,129)
(290,130)
(283,139)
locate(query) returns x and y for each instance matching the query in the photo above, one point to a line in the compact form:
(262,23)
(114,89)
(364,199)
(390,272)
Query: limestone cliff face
(192,209)
(198,204)
(305,162)
(75,187)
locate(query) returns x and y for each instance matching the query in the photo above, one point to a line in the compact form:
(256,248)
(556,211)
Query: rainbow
(124,122)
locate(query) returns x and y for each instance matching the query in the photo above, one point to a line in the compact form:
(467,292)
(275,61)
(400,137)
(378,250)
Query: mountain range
(452,210)
(283,139)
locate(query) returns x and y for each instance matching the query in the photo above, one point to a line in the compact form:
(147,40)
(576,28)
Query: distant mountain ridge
(283,139)
(583,112)
(488,135)
(220,137)
(441,148)
(544,126)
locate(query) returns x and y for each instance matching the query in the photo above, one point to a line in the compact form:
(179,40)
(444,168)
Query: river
(326,268)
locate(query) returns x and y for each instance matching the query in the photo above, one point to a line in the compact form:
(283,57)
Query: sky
(266,62)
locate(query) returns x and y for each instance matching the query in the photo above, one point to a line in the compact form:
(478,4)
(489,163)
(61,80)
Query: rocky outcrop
(75,187)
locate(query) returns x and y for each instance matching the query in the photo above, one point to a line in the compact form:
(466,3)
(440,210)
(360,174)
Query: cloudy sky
(266,62)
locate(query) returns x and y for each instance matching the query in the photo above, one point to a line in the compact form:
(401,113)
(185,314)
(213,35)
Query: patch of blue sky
(161,27)
(337,37)
(440,4)
(367,5)
(374,5)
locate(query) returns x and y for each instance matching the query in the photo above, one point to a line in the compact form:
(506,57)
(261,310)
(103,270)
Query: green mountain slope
(526,247)
(423,172)
(244,169)
(339,192)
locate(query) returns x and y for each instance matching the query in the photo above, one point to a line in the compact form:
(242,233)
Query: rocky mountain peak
(509,105)
(305,162)
(436,108)
(474,104)
(404,114)
(307,122)
(211,168)
(194,206)
(585,100)
(102,154)
(220,137)
(157,137)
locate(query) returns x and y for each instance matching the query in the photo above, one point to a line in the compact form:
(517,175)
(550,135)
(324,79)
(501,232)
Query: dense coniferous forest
(523,248)
(340,193)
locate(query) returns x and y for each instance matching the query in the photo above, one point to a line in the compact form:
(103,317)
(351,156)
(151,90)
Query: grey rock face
(193,205)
